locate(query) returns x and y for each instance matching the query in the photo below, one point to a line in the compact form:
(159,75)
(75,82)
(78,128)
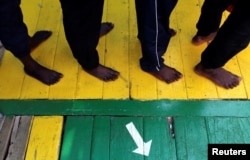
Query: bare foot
(39,72)
(43,74)
(219,76)
(199,40)
(104,73)
(167,74)
(106,27)
(38,38)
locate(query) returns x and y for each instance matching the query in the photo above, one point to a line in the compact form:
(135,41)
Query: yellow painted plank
(68,66)
(120,43)
(49,19)
(244,61)
(12,76)
(116,49)
(89,87)
(45,136)
(233,66)
(238,65)
(173,58)
(197,87)
(238,92)
(11,69)
(31,11)
(142,85)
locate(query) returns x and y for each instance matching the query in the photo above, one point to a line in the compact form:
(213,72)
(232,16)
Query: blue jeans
(153,31)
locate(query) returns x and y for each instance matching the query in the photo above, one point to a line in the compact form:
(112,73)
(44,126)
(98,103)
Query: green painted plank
(163,145)
(244,124)
(100,138)
(236,108)
(228,130)
(77,138)
(121,142)
(191,138)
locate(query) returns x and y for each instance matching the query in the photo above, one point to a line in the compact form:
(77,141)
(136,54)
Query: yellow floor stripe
(116,49)
(142,85)
(66,88)
(48,18)
(45,137)
(174,58)
(12,76)
(244,61)
(196,87)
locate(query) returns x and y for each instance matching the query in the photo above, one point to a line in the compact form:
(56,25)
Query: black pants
(13,32)
(232,37)
(211,14)
(153,31)
(82,22)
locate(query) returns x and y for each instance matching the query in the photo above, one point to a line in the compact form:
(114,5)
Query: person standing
(232,37)
(14,37)
(154,34)
(82,23)
(210,20)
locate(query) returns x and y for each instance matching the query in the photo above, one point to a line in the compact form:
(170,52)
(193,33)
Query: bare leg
(219,76)
(104,73)
(167,74)
(106,27)
(35,70)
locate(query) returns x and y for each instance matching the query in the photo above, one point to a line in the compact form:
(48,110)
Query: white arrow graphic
(143,148)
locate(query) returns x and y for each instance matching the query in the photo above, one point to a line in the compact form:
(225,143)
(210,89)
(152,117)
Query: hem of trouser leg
(152,69)
(204,34)
(89,67)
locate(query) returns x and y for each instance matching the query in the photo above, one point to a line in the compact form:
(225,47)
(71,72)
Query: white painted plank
(19,138)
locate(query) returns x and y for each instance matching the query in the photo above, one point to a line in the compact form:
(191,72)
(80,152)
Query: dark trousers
(153,31)
(211,14)
(232,37)
(82,22)
(13,32)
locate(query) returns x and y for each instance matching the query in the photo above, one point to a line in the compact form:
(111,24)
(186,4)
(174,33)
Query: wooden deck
(120,49)
(106,137)
(82,117)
